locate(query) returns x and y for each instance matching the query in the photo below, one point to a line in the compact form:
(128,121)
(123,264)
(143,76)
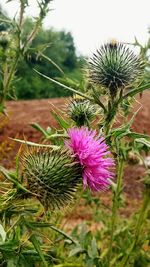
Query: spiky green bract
(52,175)
(114,66)
(81,111)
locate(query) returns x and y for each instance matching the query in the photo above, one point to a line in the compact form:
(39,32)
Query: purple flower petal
(92,153)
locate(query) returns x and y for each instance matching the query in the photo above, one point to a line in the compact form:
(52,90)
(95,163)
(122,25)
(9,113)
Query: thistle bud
(52,175)
(114,66)
(4,39)
(81,111)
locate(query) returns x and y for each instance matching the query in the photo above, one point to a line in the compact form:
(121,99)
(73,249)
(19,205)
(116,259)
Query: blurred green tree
(52,53)
(3,15)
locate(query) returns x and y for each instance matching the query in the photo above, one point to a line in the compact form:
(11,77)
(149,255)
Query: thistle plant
(116,68)
(89,155)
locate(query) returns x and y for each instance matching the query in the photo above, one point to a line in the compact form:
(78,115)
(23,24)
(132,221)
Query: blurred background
(73,30)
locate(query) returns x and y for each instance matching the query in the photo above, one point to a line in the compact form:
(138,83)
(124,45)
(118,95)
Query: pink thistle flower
(92,153)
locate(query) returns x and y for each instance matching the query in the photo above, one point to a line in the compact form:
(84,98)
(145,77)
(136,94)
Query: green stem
(138,228)
(68,265)
(96,97)
(12,72)
(22,8)
(36,245)
(8,80)
(112,110)
(36,27)
(113,105)
(8,77)
(8,74)
(108,126)
(116,204)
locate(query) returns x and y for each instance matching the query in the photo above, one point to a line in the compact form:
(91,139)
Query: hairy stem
(116,204)
(68,265)
(112,111)
(36,27)
(113,105)
(11,73)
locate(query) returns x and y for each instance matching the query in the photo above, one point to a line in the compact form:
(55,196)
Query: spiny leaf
(124,129)
(63,123)
(35,144)
(2,233)
(39,128)
(36,244)
(76,250)
(64,86)
(12,178)
(143,141)
(135,91)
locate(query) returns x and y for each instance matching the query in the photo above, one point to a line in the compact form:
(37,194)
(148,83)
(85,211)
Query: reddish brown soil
(23,113)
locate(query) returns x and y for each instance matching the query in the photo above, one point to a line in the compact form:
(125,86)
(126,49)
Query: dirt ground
(23,113)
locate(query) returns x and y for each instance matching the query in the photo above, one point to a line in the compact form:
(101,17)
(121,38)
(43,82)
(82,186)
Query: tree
(52,53)
(3,15)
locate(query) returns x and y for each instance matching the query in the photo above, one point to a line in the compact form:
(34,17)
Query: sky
(94,22)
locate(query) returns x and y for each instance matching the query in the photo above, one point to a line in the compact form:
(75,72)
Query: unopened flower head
(81,111)
(114,66)
(52,175)
(4,39)
(92,153)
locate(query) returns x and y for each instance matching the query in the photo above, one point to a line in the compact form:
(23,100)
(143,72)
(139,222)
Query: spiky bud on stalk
(81,111)
(4,39)
(114,66)
(52,175)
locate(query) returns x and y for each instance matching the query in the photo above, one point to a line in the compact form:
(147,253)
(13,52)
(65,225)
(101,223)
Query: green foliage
(144,52)
(25,45)
(13,47)
(120,240)
(3,16)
